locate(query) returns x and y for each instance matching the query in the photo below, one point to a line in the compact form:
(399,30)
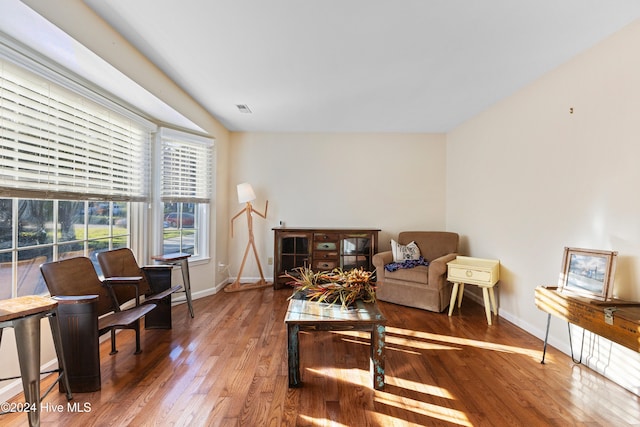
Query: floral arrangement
(335,285)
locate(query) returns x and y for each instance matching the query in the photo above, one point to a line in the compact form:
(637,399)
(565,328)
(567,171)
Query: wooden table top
(303,311)
(175,256)
(24,306)
(629,310)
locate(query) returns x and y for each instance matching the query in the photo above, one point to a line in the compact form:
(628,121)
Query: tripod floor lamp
(246,195)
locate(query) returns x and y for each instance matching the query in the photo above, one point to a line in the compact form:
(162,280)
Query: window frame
(203,204)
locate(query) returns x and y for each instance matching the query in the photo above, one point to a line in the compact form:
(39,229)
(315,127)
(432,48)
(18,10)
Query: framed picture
(588,272)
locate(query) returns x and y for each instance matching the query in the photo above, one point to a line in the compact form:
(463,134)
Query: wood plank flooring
(228,367)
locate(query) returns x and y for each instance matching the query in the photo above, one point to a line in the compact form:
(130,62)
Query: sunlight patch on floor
(417,353)
(462,342)
(393,339)
(427,341)
(430,410)
(390,421)
(321,421)
(353,375)
(403,403)
(400,341)
(419,387)
(422,345)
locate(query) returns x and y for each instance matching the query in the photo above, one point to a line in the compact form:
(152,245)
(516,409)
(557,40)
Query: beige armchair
(424,287)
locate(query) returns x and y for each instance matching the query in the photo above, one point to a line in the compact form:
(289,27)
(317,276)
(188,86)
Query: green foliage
(333,286)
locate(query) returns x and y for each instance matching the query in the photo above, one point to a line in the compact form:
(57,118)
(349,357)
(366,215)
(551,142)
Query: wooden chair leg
(113,342)
(137,329)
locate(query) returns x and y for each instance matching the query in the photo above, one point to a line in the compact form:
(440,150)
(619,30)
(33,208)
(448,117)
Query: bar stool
(181,259)
(24,315)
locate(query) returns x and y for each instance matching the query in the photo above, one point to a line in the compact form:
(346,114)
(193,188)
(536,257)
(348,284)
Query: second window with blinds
(185,165)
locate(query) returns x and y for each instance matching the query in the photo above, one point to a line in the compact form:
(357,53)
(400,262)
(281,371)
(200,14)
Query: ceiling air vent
(243,108)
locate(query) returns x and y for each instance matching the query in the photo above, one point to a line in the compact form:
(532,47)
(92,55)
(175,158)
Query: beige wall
(527,178)
(389,181)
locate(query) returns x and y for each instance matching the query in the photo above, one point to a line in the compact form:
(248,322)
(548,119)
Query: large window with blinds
(55,143)
(184,194)
(72,168)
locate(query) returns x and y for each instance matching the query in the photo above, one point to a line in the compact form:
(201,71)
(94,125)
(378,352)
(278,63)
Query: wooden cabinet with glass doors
(322,249)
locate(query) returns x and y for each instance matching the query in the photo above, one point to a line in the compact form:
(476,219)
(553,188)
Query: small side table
(181,259)
(483,273)
(24,315)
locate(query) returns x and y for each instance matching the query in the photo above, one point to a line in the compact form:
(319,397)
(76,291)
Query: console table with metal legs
(181,259)
(614,319)
(23,314)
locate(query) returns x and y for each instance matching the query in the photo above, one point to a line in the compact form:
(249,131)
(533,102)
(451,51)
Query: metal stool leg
(184,265)
(27,332)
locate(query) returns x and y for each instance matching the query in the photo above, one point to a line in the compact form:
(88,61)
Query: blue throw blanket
(410,263)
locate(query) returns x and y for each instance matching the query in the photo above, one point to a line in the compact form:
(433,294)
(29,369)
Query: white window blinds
(58,144)
(186,165)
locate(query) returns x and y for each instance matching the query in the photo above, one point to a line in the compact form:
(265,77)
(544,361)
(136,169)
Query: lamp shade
(245,193)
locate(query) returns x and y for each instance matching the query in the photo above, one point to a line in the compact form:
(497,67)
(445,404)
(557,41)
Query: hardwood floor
(228,367)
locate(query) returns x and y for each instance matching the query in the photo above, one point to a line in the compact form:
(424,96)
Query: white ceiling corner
(32,30)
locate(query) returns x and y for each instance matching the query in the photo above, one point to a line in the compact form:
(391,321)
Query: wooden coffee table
(305,315)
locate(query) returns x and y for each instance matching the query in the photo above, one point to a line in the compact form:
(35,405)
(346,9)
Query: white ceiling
(359,65)
(33,31)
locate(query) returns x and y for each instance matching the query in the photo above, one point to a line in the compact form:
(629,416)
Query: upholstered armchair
(424,287)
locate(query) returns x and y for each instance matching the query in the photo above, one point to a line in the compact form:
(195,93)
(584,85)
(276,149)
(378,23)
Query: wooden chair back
(122,263)
(76,276)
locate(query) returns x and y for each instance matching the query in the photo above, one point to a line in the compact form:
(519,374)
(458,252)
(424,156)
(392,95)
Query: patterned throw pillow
(402,253)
